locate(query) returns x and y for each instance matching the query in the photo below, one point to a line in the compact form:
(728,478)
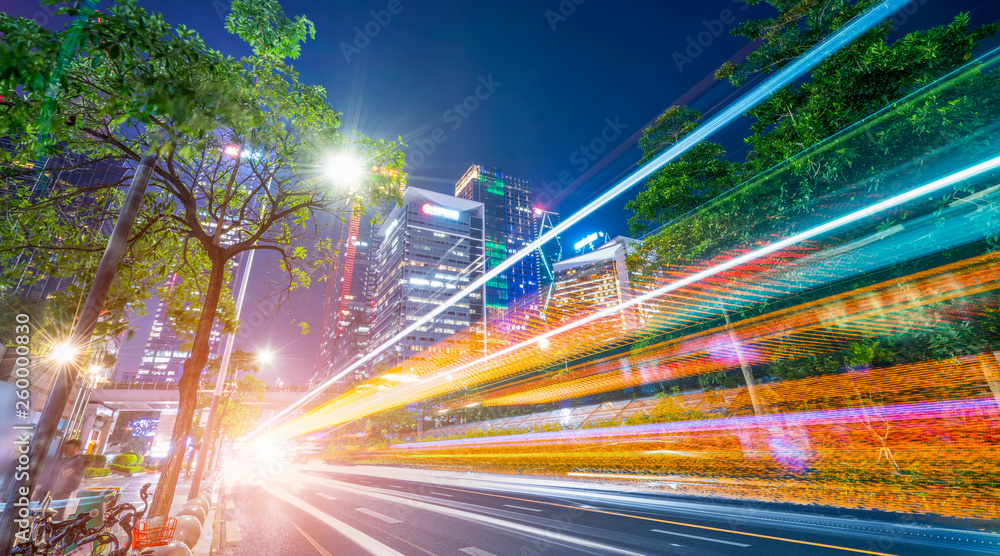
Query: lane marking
(704,527)
(357,537)
(473,551)
(233,531)
(699,538)
(397,486)
(469,516)
(443,494)
(325,495)
(522,508)
(316,545)
(377,515)
(230,504)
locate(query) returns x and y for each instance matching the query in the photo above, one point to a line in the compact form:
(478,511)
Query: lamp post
(62,382)
(341,168)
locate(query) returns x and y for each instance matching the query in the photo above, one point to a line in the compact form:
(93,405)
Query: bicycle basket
(145,536)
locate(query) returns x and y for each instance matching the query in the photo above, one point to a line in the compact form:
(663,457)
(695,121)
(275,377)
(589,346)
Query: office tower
(509,228)
(547,255)
(431,246)
(593,282)
(166,350)
(347,311)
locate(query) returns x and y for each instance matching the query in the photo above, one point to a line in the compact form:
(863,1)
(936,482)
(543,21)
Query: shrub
(93,472)
(127,468)
(125,460)
(95,461)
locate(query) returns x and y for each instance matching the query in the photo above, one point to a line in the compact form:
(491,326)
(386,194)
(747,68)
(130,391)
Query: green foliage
(871,115)
(698,176)
(241,411)
(125,460)
(95,472)
(102,90)
(95,461)
(131,469)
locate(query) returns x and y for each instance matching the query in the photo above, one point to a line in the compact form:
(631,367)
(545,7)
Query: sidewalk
(130,487)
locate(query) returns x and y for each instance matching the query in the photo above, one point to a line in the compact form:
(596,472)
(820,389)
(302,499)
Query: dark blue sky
(560,79)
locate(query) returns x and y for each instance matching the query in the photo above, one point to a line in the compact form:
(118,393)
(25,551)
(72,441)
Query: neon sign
(434,210)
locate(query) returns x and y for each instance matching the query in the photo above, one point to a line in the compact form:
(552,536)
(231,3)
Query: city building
(509,228)
(592,282)
(431,246)
(347,311)
(166,350)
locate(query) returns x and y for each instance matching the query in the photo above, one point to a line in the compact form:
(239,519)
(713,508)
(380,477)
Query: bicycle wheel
(104,544)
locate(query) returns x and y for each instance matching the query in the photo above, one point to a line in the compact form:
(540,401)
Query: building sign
(434,210)
(586,241)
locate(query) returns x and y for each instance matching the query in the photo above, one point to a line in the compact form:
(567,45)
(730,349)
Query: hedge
(127,460)
(94,472)
(127,468)
(95,461)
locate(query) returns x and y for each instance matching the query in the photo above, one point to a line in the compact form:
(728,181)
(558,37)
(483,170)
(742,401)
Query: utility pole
(65,376)
(220,382)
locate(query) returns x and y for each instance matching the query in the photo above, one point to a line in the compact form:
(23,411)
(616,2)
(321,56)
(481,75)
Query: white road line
(233,531)
(699,538)
(377,515)
(230,504)
(522,508)
(357,537)
(325,495)
(473,551)
(474,517)
(443,494)
(397,486)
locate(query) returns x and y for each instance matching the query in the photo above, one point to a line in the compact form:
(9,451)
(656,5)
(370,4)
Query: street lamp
(344,168)
(63,353)
(341,168)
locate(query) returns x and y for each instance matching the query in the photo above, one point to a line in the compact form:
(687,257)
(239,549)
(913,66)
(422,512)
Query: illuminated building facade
(165,352)
(591,282)
(347,312)
(509,228)
(430,247)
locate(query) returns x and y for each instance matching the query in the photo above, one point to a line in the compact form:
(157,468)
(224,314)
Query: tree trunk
(188,394)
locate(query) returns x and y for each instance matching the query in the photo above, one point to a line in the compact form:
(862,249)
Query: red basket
(144,536)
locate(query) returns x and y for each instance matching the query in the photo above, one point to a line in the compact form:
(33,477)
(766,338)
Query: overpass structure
(107,401)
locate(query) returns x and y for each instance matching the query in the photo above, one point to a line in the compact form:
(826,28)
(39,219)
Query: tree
(239,143)
(241,411)
(804,144)
(699,175)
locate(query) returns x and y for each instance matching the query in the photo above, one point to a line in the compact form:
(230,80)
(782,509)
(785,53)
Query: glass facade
(509,228)
(430,247)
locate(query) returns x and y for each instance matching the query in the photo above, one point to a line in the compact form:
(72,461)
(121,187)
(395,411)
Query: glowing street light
(63,353)
(265,357)
(344,168)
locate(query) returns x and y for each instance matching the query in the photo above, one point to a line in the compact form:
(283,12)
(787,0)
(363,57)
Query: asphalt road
(344,511)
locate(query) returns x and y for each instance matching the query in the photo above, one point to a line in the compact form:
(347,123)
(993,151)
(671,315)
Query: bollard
(203,502)
(194,510)
(188,530)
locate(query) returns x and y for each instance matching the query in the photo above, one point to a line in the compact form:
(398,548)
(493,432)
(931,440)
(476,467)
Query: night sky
(553,78)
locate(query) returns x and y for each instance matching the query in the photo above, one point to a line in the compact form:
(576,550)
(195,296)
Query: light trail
(936,185)
(784,77)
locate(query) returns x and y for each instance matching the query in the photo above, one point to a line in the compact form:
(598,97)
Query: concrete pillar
(106,430)
(88,427)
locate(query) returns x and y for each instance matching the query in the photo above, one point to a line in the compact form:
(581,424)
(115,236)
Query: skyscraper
(431,246)
(592,282)
(509,228)
(165,352)
(347,311)
(547,255)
